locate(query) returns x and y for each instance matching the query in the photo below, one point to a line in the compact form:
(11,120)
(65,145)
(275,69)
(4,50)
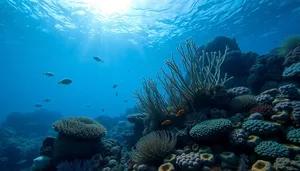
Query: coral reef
(203,119)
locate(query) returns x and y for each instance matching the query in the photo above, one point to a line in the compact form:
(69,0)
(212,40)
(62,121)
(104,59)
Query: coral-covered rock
(271,149)
(264,99)
(266,110)
(237,91)
(211,129)
(260,127)
(238,137)
(243,103)
(289,91)
(294,136)
(292,57)
(292,71)
(190,161)
(286,164)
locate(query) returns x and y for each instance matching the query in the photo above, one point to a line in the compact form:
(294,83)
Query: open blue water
(133,37)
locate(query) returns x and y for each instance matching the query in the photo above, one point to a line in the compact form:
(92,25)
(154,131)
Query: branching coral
(203,71)
(154,147)
(151,100)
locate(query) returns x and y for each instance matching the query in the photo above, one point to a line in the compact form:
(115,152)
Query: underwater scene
(144,85)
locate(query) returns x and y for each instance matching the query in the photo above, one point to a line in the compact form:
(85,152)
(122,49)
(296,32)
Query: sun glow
(109,6)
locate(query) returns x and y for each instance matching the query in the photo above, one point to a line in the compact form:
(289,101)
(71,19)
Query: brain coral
(243,103)
(260,127)
(80,127)
(210,129)
(271,149)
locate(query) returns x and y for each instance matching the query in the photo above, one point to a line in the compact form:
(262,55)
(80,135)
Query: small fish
(166,122)
(125,101)
(37,105)
(117,93)
(47,100)
(114,86)
(102,110)
(98,59)
(180,112)
(49,74)
(87,106)
(65,81)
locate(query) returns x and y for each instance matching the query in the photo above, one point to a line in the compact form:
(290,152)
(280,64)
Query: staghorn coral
(210,129)
(80,127)
(204,80)
(154,147)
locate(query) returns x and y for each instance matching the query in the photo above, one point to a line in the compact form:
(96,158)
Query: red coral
(266,110)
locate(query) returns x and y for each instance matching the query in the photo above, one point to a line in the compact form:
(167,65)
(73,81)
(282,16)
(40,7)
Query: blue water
(133,37)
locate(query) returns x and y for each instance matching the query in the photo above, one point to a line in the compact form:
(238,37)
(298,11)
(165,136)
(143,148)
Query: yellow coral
(261,165)
(166,167)
(170,159)
(253,140)
(207,158)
